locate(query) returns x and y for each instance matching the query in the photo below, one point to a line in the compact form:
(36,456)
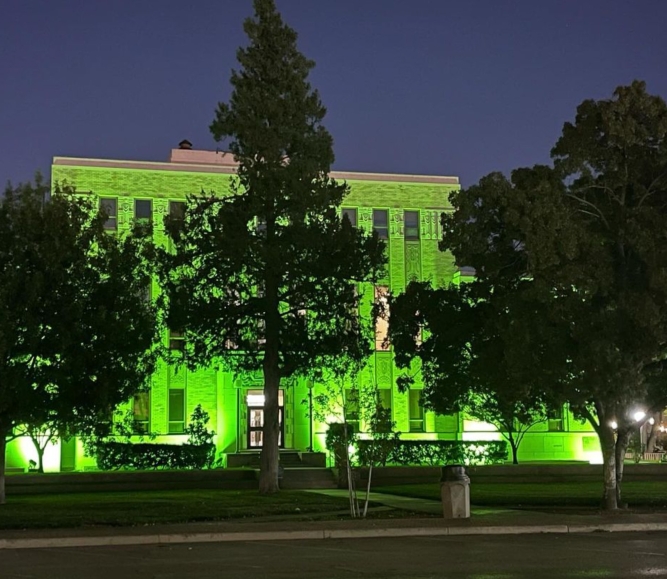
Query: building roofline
(230,170)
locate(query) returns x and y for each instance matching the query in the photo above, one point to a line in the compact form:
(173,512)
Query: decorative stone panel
(413,266)
(383,361)
(396,225)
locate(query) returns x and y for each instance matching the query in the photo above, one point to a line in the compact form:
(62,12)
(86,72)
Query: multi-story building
(403,209)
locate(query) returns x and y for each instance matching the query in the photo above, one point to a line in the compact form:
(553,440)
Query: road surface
(597,555)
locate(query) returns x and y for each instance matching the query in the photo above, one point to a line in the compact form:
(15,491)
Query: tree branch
(588,203)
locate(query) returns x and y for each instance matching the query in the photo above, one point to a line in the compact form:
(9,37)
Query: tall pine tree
(266,279)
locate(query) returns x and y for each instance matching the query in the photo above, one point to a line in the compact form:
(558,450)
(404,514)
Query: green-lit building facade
(403,208)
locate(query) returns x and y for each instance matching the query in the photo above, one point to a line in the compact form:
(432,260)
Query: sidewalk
(482,522)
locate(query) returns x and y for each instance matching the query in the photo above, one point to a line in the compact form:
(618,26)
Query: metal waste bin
(455,492)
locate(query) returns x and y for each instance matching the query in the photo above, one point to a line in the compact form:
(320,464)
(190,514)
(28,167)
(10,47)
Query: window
(143,210)
(411,219)
(176,410)
(141,411)
(177,210)
(382,322)
(555,421)
(146,294)
(352,408)
(381,222)
(109,206)
(384,401)
(416,411)
(176,340)
(351,214)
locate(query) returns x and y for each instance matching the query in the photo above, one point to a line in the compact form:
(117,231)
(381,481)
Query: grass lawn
(557,494)
(151,507)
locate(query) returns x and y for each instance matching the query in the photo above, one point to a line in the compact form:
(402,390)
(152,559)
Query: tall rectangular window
(411,219)
(177,210)
(416,411)
(352,408)
(384,401)
(141,411)
(555,421)
(382,322)
(381,222)
(176,410)
(143,210)
(147,294)
(110,207)
(176,340)
(351,214)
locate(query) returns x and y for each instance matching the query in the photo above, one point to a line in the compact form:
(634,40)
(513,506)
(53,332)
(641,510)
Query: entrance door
(255,401)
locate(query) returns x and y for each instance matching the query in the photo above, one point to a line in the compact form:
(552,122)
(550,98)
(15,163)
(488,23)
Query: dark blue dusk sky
(412,86)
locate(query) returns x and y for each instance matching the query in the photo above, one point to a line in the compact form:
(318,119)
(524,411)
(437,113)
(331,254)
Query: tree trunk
(40,457)
(653,435)
(3,449)
(368,490)
(270,456)
(622,441)
(609,500)
(515,451)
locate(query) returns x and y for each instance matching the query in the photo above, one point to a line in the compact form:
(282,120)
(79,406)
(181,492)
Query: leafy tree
(197,428)
(265,279)
(76,333)
(41,434)
(383,437)
(470,359)
(583,244)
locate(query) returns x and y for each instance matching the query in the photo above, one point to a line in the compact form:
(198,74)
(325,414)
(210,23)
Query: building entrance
(255,402)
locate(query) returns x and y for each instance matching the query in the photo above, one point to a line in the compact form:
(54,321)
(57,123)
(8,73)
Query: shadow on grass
(556,494)
(154,507)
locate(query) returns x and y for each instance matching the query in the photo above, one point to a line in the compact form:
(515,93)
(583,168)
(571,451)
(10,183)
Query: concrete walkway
(487,521)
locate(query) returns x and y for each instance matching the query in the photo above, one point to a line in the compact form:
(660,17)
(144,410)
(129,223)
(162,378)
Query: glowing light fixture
(651,421)
(639,415)
(255,400)
(613,424)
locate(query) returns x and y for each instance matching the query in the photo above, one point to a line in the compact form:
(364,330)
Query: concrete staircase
(308,478)
(288,459)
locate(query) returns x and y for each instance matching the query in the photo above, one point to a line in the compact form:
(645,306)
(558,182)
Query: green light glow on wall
(223,395)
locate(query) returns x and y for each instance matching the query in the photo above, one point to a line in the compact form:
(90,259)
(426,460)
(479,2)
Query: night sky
(411,86)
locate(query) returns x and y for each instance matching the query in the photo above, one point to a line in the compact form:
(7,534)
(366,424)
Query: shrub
(196,429)
(149,456)
(338,438)
(440,452)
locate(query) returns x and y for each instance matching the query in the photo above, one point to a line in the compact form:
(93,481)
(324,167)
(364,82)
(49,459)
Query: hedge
(434,452)
(148,456)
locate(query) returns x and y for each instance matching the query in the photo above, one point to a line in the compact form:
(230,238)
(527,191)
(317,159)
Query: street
(464,557)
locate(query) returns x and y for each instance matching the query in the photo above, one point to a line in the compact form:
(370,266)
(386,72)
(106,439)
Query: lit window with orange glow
(382,321)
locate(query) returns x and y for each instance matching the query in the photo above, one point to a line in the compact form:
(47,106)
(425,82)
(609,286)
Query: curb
(183,538)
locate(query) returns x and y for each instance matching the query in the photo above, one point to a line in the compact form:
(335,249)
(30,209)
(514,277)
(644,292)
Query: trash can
(455,492)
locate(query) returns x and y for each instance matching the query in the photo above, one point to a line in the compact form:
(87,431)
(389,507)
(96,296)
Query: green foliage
(339,434)
(570,266)
(338,438)
(113,455)
(472,359)
(383,438)
(436,452)
(265,279)
(76,335)
(198,433)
